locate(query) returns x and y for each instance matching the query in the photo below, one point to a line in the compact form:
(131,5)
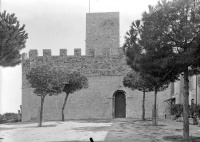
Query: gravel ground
(115,130)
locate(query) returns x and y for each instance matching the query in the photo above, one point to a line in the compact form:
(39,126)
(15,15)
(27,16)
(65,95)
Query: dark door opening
(120,105)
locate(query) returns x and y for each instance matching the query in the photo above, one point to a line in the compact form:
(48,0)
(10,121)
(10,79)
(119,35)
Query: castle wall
(105,73)
(95,102)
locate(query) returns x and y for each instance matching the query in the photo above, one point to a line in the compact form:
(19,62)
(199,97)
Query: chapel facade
(105,66)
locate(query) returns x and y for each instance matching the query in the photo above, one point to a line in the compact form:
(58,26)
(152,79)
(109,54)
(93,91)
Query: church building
(105,67)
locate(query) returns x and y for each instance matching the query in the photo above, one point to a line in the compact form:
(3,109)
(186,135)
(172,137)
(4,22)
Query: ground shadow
(152,125)
(4,129)
(93,129)
(50,125)
(178,138)
(75,141)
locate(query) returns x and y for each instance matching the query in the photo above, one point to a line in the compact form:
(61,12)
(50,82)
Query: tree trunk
(185,106)
(41,111)
(154,118)
(143,106)
(63,108)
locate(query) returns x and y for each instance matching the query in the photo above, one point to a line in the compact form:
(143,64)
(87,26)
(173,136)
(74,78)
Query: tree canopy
(68,82)
(42,79)
(12,40)
(73,81)
(167,38)
(136,80)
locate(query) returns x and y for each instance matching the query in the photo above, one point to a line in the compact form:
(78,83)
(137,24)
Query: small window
(190,83)
(173,101)
(172,88)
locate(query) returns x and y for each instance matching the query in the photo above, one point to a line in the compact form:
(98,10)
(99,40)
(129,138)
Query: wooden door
(120,105)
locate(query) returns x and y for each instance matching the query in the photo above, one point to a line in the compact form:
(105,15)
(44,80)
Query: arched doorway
(119,105)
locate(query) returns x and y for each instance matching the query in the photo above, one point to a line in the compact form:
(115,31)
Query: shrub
(1,118)
(9,116)
(176,109)
(173,110)
(197,111)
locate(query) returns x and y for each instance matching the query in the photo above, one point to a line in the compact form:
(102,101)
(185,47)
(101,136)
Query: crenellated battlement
(97,62)
(105,52)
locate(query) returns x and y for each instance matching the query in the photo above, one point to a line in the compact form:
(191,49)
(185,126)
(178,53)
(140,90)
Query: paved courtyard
(116,130)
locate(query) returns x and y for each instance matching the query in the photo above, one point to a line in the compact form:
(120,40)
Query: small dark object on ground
(178,130)
(152,125)
(91,140)
(178,138)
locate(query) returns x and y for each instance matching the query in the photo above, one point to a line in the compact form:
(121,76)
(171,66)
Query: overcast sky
(58,24)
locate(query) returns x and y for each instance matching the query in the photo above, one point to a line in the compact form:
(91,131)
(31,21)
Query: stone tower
(105,66)
(102,32)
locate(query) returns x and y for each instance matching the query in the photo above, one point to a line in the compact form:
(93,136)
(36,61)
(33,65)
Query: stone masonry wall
(102,31)
(95,102)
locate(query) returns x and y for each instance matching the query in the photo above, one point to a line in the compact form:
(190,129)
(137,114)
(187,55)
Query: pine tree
(69,82)
(135,53)
(42,80)
(136,81)
(12,40)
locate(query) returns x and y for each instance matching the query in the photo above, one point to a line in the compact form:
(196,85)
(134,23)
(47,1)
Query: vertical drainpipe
(196,88)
